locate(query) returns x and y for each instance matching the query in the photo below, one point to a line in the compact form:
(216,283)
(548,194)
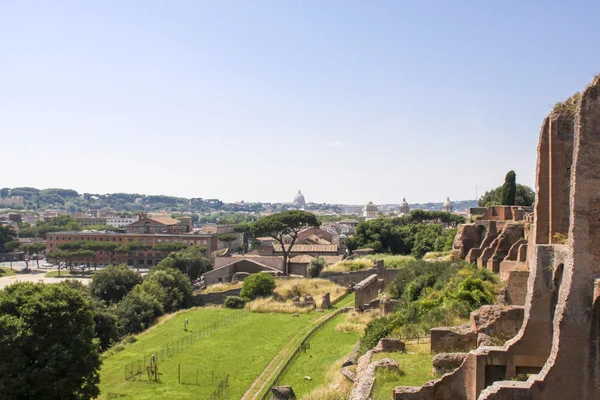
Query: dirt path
(259,386)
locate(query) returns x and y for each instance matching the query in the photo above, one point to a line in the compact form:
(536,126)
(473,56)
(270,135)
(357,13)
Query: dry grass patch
(222,287)
(356,321)
(349,265)
(287,289)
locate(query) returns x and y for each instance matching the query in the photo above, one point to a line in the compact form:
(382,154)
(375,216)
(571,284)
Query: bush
(113,282)
(315,267)
(234,302)
(258,285)
(137,311)
(176,286)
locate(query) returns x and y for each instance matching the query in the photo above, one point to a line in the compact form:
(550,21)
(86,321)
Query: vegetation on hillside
(432,294)
(416,233)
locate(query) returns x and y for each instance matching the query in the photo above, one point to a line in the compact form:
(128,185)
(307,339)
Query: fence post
(178,373)
(196,376)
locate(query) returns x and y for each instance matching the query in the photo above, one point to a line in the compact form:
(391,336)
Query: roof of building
(370,207)
(165,219)
(314,239)
(302,259)
(309,248)
(349,221)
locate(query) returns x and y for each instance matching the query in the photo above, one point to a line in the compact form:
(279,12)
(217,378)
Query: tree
(227,238)
(525,197)
(11,247)
(135,248)
(282,225)
(137,311)
(315,267)
(190,261)
(37,248)
(509,189)
(47,343)
(6,235)
(110,284)
(245,228)
(169,247)
(258,285)
(177,287)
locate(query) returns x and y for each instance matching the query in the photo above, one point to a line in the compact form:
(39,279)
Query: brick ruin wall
(558,344)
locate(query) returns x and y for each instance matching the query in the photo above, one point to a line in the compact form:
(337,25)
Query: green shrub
(111,283)
(137,311)
(258,285)
(234,302)
(315,267)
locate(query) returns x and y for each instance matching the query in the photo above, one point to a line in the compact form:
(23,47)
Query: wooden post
(196,376)
(178,373)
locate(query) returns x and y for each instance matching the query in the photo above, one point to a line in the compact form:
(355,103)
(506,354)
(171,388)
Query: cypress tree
(509,189)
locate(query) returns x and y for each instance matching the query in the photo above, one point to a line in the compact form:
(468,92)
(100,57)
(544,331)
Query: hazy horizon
(348,101)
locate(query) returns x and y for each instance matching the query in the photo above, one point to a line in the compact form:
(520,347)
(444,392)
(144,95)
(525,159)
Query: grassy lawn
(415,370)
(326,347)
(67,273)
(5,271)
(242,349)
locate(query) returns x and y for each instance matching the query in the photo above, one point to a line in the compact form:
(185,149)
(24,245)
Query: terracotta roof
(302,259)
(314,239)
(164,219)
(309,248)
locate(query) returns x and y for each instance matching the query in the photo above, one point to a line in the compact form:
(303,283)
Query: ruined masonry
(558,346)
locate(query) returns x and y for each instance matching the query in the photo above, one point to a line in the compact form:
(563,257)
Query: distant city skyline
(349,101)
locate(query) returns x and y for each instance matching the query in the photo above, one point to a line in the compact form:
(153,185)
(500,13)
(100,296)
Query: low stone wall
(201,299)
(453,340)
(346,278)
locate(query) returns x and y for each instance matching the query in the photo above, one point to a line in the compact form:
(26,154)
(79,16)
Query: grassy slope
(326,346)
(242,349)
(415,370)
(4,271)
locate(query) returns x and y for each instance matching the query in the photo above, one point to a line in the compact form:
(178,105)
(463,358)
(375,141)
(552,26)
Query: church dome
(447,206)
(404,208)
(299,199)
(370,207)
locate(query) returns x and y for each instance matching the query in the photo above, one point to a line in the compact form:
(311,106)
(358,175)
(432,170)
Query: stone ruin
(557,349)
(366,293)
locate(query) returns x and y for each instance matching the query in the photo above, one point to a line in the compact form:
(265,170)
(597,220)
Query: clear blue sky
(350,101)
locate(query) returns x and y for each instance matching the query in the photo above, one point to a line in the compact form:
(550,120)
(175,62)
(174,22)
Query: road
(37,275)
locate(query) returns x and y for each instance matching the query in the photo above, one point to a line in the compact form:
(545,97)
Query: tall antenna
(476,192)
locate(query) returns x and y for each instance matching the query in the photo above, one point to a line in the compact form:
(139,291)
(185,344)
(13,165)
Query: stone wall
(516,287)
(558,343)
(202,299)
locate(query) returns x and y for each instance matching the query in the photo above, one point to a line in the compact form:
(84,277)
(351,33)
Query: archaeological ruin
(556,353)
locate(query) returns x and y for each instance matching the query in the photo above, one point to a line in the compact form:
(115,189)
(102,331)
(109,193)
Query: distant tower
(404,208)
(299,200)
(370,211)
(447,205)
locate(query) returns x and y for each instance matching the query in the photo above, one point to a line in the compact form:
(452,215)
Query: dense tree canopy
(7,234)
(525,196)
(190,261)
(282,225)
(47,343)
(416,233)
(111,283)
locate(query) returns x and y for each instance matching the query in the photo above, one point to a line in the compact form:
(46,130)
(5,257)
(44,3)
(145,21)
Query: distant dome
(404,208)
(447,206)
(299,200)
(370,207)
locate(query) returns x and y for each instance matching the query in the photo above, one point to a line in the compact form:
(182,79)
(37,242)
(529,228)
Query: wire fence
(136,369)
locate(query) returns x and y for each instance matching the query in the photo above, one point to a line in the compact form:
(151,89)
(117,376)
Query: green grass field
(69,273)
(5,271)
(415,370)
(242,349)
(326,347)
